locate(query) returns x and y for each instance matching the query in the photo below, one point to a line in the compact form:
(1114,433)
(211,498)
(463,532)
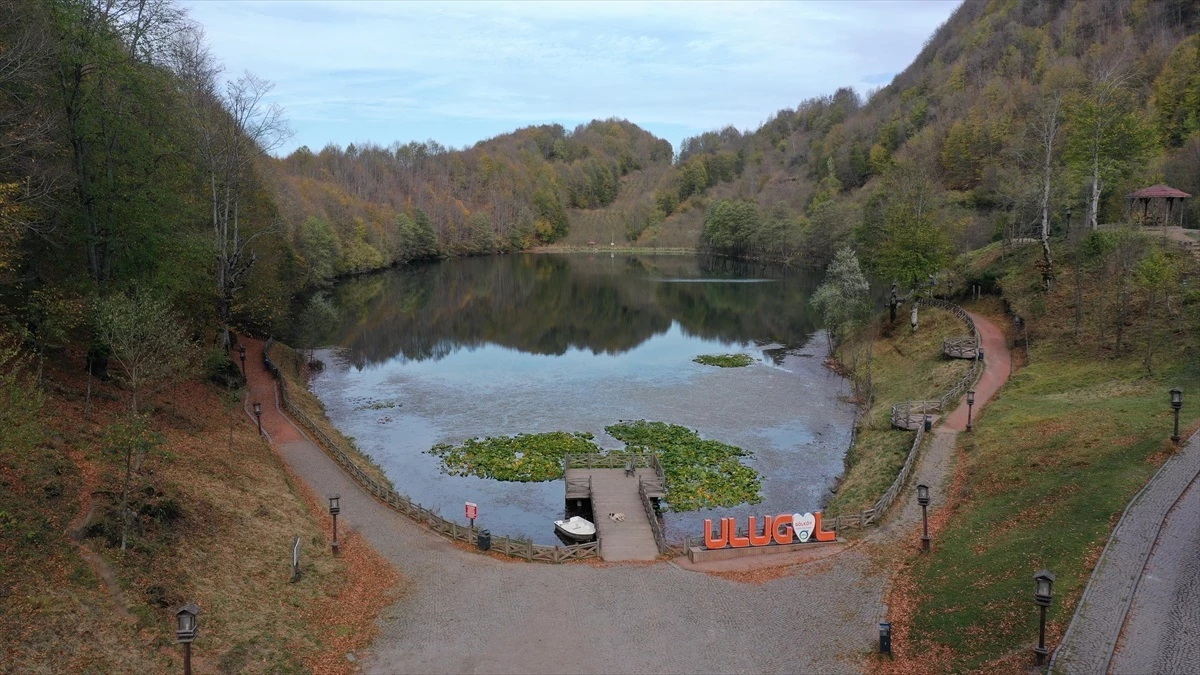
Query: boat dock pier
(611,483)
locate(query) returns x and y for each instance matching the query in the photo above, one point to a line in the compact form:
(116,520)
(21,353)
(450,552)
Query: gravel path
(469,613)
(1092,636)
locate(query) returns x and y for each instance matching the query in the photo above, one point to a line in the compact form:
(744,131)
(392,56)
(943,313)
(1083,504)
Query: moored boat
(579,529)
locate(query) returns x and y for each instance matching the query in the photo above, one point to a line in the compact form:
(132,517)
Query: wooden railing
(911,414)
(515,547)
(577,486)
(905,414)
(665,547)
(960,347)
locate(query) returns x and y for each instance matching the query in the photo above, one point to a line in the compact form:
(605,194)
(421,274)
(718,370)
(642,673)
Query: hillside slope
(964,117)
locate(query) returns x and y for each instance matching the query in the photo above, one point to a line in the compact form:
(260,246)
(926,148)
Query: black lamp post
(186,631)
(885,638)
(970,405)
(923,500)
(1176,403)
(242,353)
(334,509)
(1043,595)
(258,416)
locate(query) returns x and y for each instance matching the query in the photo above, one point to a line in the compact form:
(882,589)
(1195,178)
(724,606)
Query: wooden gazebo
(1156,205)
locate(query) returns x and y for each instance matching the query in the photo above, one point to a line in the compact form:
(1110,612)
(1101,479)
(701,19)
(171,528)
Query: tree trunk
(125,497)
(1152,332)
(1122,316)
(1049,133)
(1094,196)
(1078,264)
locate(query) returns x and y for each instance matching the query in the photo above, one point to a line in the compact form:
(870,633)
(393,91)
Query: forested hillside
(137,226)
(362,208)
(1091,98)
(1013,113)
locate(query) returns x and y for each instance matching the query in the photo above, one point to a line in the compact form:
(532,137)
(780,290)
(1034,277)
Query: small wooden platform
(616,491)
(960,347)
(910,415)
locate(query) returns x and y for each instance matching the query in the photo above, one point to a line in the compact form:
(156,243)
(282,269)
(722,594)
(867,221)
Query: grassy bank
(892,366)
(1054,460)
(216,513)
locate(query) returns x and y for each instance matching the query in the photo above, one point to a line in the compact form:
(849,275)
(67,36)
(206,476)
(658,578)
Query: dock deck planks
(615,492)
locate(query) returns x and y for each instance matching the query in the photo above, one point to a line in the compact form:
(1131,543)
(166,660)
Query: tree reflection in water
(548,304)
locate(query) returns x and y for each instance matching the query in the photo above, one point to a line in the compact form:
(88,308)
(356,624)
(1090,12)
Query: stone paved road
(469,613)
(1162,631)
(1092,636)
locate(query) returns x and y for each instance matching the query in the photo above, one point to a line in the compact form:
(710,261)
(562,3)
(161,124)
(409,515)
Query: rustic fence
(960,348)
(665,547)
(517,548)
(904,415)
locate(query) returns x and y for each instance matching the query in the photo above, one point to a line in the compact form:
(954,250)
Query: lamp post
(885,638)
(970,405)
(923,500)
(258,416)
(1176,403)
(185,631)
(334,509)
(1043,595)
(242,354)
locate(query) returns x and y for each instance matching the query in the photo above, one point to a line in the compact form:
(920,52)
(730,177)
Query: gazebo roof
(1159,190)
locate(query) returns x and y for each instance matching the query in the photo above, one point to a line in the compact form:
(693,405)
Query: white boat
(579,529)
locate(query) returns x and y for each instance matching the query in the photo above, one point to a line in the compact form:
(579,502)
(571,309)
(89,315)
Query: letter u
(763,539)
(720,540)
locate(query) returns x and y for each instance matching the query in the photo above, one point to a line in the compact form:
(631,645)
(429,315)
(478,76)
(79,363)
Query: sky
(460,72)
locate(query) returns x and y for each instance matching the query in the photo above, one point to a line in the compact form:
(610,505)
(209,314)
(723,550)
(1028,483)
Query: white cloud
(453,71)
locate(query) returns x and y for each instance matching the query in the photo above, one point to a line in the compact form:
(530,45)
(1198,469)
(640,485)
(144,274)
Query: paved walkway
(1092,636)
(1162,631)
(469,613)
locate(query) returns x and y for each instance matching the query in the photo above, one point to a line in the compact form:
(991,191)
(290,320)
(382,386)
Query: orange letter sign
(822,535)
(735,540)
(763,539)
(715,542)
(784,536)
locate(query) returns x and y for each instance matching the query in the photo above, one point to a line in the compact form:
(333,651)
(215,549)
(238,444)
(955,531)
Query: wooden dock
(616,491)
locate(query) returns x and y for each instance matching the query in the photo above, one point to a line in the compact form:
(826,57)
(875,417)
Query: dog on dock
(616,517)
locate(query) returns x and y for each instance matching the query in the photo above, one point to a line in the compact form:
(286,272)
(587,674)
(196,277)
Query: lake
(476,347)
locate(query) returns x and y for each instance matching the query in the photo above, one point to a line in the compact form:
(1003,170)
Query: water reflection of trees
(547,304)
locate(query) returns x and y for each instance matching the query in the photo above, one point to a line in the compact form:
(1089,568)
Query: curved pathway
(1162,631)
(935,465)
(1160,580)
(469,613)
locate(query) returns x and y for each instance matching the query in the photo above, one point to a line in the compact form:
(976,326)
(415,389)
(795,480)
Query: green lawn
(1051,465)
(906,366)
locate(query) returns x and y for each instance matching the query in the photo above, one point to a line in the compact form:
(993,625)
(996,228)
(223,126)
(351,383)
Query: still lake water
(533,343)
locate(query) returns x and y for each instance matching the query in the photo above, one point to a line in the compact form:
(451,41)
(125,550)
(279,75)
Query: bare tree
(235,126)
(1108,132)
(29,177)
(1047,126)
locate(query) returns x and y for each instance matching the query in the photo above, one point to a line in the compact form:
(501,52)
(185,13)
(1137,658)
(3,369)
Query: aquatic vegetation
(524,457)
(363,403)
(700,473)
(725,360)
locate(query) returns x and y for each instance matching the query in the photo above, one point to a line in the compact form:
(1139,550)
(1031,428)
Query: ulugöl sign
(786,528)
